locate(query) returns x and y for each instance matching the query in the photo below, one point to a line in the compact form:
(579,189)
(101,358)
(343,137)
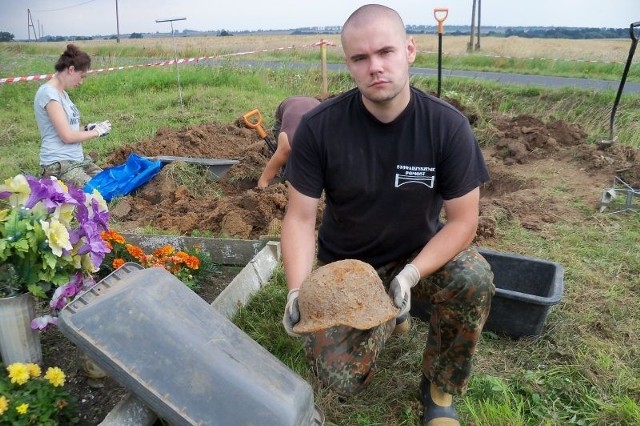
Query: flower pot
(18,342)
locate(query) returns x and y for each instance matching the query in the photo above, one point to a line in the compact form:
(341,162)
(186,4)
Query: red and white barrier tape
(163,63)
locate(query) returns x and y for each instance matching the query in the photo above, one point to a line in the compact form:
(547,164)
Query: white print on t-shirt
(415,174)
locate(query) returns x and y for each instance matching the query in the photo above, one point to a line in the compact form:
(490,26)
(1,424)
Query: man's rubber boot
(403,324)
(438,406)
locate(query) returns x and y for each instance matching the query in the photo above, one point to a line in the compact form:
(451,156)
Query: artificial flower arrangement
(186,265)
(28,398)
(50,241)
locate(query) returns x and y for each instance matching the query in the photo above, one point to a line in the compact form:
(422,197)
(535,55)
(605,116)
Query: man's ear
(412,50)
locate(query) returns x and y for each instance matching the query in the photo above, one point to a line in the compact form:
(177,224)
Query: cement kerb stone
(250,279)
(131,411)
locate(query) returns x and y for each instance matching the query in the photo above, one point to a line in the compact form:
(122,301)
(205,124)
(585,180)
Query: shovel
(634,42)
(437,13)
(257,125)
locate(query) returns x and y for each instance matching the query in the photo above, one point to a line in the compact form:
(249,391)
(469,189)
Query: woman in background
(58,119)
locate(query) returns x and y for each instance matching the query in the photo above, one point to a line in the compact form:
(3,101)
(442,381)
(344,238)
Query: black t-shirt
(384,183)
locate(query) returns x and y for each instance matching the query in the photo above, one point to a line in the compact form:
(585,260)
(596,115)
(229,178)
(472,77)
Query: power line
(66,7)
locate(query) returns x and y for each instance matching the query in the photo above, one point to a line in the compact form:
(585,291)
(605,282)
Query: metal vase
(18,342)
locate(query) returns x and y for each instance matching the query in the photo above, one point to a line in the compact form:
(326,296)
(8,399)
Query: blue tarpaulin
(120,180)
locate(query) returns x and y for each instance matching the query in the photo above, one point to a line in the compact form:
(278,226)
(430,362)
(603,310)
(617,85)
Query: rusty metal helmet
(347,292)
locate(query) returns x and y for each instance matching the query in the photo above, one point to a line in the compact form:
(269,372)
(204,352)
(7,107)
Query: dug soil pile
(526,158)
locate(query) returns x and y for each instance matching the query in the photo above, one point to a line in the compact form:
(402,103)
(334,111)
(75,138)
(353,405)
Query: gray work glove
(400,288)
(291,312)
(103,127)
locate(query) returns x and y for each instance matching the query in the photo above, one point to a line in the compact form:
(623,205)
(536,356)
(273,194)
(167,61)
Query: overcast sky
(98,17)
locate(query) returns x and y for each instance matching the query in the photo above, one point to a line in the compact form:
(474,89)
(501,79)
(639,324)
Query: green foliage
(6,36)
(26,398)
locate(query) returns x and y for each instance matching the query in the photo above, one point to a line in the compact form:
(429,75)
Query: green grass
(582,370)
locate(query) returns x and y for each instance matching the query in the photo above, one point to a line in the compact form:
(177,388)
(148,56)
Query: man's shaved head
(370,13)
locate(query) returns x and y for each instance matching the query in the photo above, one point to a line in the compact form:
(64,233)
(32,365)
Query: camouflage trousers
(77,173)
(458,299)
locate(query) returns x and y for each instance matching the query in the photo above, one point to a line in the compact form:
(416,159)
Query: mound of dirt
(525,157)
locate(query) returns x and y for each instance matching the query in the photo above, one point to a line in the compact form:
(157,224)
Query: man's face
(378,58)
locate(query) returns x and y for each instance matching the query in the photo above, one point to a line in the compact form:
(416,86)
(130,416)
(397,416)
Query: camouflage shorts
(458,297)
(76,173)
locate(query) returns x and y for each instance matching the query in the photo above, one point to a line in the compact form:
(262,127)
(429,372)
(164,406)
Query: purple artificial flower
(49,191)
(39,191)
(43,322)
(62,294)
(99,216)
(82,213)
(94,244)
(5,194)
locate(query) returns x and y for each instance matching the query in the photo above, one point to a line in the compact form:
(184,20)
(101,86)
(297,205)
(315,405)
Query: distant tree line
(573,33)
(524,32)
(6,36)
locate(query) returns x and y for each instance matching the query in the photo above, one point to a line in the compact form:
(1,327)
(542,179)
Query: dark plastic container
(526,289)
(186,361)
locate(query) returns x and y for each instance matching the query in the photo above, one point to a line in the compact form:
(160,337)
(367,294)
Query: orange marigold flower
(108,244)
(164,251)
(192,262)
(111,235)
(117,263)
(117,237)
(182,256)
(135,251)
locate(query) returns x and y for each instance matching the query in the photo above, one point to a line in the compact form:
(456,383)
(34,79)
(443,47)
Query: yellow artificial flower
(96,195)
(34,370)
(4,404)
(18,373)
(87,263)
(58,236)
(3,214)
(19,186)
(65,188)
(55,376)
(22,408)
(65,213)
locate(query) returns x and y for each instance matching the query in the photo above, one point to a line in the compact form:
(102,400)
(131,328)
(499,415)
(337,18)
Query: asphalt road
(506,78)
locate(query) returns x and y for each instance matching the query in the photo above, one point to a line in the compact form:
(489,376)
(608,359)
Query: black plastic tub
(526,289)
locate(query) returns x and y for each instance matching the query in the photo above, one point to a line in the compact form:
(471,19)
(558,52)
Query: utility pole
(30,27)
(117,24)
(473,25)
(478,35)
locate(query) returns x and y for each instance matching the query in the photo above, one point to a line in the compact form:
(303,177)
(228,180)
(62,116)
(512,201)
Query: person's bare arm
(456,235)
(298,237)
(60,122)
(276,162)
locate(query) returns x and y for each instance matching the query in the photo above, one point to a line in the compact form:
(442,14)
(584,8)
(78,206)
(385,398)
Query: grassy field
(583,370)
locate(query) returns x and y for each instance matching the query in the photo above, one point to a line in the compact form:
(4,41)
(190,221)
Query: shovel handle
(437,13)
(257,125)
